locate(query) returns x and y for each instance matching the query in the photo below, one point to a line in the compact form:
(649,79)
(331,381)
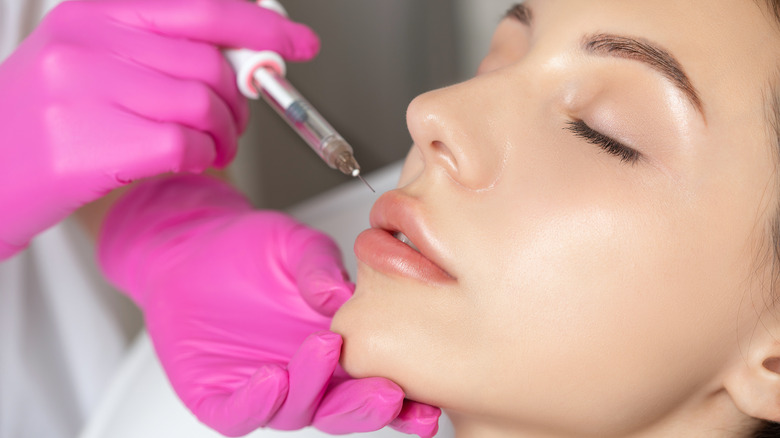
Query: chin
(345,324)
(358,327)
(388,333)
(374,339)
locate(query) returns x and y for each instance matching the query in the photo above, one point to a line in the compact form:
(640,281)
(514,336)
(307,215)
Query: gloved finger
(143,148)
(189,103)
(174,148)
(315,261)
(359,405)
(310,370)
(183,59)
(160,99)
(249,406)
(417,419)
(226,23)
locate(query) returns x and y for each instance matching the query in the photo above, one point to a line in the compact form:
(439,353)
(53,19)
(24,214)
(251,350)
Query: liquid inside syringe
(307,122)
(262,74)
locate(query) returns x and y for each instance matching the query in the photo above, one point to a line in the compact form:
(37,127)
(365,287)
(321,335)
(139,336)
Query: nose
(452,129)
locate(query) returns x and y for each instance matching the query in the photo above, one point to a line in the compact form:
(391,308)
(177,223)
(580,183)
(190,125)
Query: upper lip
(396,212)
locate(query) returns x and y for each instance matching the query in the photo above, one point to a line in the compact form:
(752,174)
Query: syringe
(262,74)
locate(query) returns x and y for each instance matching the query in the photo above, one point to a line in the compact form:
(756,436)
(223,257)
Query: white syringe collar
(249,62)
(274,6)
(246,62)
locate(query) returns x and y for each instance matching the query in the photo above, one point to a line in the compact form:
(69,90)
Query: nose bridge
(452,128)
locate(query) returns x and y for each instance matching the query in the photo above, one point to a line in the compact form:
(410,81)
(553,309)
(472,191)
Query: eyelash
(612,147)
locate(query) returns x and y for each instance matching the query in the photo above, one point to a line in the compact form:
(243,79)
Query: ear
(754,383)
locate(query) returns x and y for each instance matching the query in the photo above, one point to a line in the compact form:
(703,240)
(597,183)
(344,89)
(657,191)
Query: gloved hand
(106,92)
(238,303)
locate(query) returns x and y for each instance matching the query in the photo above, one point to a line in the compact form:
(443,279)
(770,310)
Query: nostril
(773,364)
(445,155)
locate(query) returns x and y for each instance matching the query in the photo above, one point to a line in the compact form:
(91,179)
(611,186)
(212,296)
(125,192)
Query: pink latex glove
(104,92)
(238,303)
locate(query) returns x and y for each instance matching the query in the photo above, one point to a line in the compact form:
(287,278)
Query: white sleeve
(63,330)
(17,19)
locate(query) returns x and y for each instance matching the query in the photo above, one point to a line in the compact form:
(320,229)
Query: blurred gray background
(376,57)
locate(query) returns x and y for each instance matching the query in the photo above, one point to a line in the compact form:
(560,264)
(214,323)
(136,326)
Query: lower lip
(382,251)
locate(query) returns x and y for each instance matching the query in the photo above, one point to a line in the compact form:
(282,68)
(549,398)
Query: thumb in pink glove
(106,92)
(237,303)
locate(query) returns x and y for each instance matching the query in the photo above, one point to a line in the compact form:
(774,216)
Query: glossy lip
(379,249)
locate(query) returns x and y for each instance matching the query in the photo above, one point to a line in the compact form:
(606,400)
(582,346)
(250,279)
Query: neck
(467,426)
(720,419)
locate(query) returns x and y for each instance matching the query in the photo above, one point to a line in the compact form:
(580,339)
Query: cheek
(414,335)
(594,294)
(579,288)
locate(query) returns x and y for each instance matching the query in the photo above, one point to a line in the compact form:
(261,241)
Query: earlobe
(754,384)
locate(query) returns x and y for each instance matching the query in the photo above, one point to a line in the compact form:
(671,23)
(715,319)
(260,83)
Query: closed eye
(611,146)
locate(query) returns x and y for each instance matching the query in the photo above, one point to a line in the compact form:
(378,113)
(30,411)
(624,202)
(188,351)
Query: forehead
(728,47)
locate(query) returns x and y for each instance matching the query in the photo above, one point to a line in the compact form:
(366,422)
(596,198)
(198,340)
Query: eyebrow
(644,51)
(636,49)
(520,12)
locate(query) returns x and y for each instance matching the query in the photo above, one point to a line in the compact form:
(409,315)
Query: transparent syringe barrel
(303,118)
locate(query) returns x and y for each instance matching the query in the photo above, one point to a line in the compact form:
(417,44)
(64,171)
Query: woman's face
(591,211)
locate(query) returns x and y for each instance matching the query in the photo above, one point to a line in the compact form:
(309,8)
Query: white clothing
(17,19)
(63,333)
(63,330)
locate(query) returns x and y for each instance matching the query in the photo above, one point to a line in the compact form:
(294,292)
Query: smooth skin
(595,293)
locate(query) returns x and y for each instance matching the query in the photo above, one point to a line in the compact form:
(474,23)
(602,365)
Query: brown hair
(773,118)
(769,429)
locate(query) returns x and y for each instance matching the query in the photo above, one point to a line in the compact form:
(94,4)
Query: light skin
(624,292)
